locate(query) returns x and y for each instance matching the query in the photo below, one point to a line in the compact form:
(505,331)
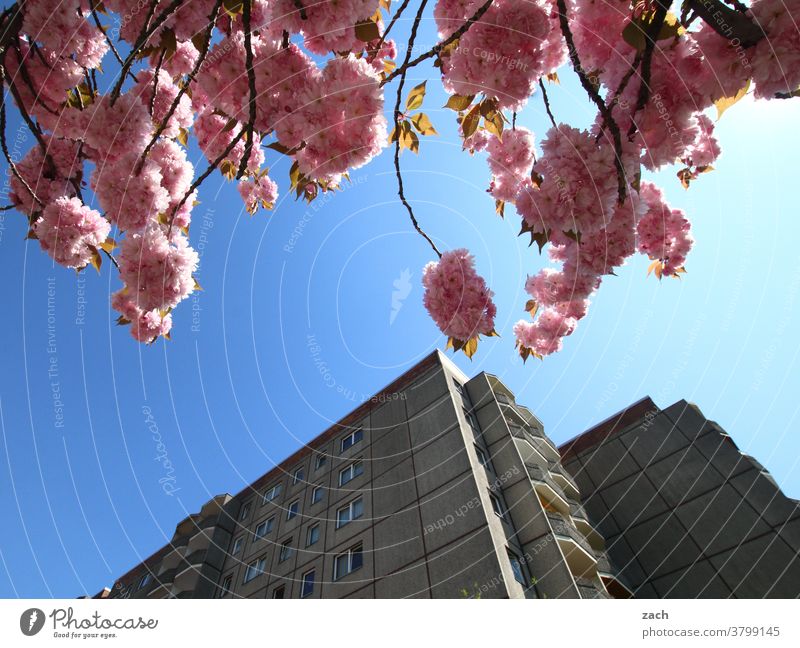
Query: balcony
(615,586)
(163,585)
(189,570)
(589,589)
(579,554)
(565,480)
(547,489)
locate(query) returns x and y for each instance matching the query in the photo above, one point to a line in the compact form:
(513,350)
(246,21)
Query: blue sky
(294,329)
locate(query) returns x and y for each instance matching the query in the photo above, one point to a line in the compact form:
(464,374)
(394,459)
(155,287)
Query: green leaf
(415,97)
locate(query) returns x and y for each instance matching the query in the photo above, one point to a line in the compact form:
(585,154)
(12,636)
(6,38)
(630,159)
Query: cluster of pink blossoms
(457,298)
(505,53)
(327,114)
(510,161)
(662,232)
(579,188)
(70,232)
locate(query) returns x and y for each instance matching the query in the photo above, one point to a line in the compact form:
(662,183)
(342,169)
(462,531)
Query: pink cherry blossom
(457,298)
(156,271)
(258,192)
(68,231)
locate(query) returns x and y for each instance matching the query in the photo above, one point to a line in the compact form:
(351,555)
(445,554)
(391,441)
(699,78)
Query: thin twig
(546,105)
(3,143)
(144,36)
(251,83)
(111,258)
(397,115)
(201,178)
(386,31)
(108,40)
(440,46)
(212,19)
(594,95)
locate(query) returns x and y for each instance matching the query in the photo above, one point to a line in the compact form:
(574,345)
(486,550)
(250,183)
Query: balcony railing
(588,589)
(561,472)
(576,510)
(538,474)
(565,529)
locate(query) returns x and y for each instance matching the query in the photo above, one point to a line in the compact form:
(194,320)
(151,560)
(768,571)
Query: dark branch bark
(108,40)
(651,36)
(392,22)
(301,9)
(440,46)
(594,95)
(397,114)
(546,105)
(728,22)
(144,36)
(212,19)
(251,84)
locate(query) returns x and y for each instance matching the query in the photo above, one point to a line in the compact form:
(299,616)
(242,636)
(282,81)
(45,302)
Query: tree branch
(440,46)
(729,22)
(546,105)
(301,9)
(147,31)
(212,19)
(386,31)
(201,178)
(651,36)
(251,83)
(108,40)
(594,95)
(397,115)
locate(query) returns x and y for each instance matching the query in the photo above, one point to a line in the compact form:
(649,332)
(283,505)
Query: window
(298,476)
(245,513)
(351,439)
(312,535)
(264,528)
(255,568)
(516,567)
(225,588)
(316,494)
(348,562)
(351,472)
(319,461)
(272,493)
(308,584)
(237,545)
(482,456)
(145,580)
(473,423)
(497,506)
(279,592)
(351,512)
(286,550)
(293,510)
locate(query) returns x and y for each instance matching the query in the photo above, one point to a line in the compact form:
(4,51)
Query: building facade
(684,512)
(439,486)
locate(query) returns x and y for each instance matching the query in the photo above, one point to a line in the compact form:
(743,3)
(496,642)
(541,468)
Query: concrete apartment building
(685,514)
(439,486)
